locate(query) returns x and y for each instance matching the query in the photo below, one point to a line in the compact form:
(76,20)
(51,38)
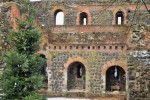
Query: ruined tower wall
(98,45)
(5,17)
(93,62)
(98,14)
(138,71)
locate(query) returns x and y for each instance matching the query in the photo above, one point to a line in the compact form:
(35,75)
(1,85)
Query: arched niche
(76,76)
(83,18)
(119,18)
(115,79)
(59,17)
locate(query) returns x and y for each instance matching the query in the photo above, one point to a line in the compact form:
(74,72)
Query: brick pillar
(15,13)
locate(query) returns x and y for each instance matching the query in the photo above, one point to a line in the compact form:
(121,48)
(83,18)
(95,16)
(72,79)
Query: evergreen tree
(21,77)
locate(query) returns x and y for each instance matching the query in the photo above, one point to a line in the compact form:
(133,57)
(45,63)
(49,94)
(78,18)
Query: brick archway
(88,15)
(57,8)
(122,64)
(124,15)
(115,79)
(69,62)
(109,64)
(76,59)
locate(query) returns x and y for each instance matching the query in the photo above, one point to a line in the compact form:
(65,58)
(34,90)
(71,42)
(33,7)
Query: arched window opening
(44,68)
(119,18)
(76,76)
(59,17)
(115,79)
(83,19)
(79,71)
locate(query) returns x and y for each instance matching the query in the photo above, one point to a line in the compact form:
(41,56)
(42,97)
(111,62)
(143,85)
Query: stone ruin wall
(99,13)
(138,72)
(57,36)
(8,13)
(4,30)
(94,62)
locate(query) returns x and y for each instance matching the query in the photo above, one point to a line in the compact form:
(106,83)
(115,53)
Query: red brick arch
(124,15)
(114,62)
(58,8)
(76,59)
(78,17)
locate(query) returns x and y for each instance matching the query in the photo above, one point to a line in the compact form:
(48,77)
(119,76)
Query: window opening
(70,47)
(104,47)
(122,47)
(44,69)
(79,71)
(59,17)
(83,19)
(110,47)
(59,47)
(65,47)
(76,47)
(119,18)
(115,79)
(76,76)
(116,47)
(93,47)
(82,47)
(115,72)
(54,47)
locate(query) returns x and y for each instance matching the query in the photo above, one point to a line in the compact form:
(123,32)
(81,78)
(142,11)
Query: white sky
(119,20)
(84,21)
(60,18)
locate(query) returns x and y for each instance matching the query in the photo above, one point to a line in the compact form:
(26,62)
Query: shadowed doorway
(115,79)
(76,76)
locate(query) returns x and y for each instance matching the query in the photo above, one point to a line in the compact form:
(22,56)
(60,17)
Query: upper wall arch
(58,8)
(114,62)
(78,17)
(124,15)
(76,59)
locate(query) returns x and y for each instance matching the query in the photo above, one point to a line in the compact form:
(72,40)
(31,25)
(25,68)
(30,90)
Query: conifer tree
(21,77)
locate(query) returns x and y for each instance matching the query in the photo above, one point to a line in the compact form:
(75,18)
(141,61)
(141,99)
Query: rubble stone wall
(100,14)
(101,31)
(93,62)
(138,72)
(132,55)
(4,30)
(5,27)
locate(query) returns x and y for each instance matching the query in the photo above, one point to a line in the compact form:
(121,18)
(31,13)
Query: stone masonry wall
(102,17)
(139,71)
(4,30)
(88,38)
(100,14)
(93,63)
(101,31)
